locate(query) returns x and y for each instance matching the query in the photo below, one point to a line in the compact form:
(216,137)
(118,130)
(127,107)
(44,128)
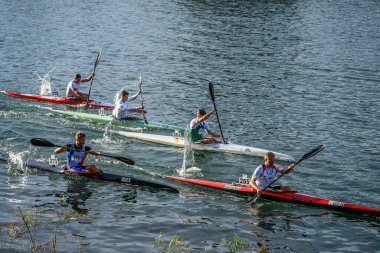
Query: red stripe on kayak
(58,100)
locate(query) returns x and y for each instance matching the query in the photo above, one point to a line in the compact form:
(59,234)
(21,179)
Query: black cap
(77,76)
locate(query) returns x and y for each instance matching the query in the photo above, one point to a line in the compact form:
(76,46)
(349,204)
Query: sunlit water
(289,75)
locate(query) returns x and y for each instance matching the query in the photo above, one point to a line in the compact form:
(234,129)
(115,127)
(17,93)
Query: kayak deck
(291,197)
(130,180)
(217,147)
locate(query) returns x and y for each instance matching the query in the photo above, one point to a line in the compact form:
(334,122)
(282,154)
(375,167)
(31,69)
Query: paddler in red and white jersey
(199,125)
(72,90)
(121,105)
(77,153)
(265,174)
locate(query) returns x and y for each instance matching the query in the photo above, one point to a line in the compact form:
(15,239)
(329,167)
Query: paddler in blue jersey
(121,105)
(265,174)
(77,153)
(72,90)
(199,125)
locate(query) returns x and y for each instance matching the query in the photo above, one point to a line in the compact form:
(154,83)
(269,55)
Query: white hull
(218,147)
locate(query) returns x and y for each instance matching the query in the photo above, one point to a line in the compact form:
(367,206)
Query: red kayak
(293,196)
(60,100)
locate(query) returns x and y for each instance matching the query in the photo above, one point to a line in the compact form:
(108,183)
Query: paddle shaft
(142,102)
(211,87)
(92,79)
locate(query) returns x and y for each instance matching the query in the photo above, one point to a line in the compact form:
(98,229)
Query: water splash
(17,159)
(16,164)
(188,157)
(107,133)
(46,84)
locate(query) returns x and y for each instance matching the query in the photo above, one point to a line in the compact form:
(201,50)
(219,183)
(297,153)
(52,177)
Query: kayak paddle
(142,102)
(212,94)
(95,65)
(309,154)
(45,143)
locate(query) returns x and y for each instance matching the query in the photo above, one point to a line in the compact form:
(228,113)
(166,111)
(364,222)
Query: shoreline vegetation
(25,236)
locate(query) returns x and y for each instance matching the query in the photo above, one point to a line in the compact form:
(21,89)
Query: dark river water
(289,75)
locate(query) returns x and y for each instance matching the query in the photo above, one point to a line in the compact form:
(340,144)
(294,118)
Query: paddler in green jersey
(199,125)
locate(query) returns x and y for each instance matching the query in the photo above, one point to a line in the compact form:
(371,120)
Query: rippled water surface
(289,75)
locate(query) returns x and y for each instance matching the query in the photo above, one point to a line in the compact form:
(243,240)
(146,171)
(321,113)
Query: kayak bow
(292,197)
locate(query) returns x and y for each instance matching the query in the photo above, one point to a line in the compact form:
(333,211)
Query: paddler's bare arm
(60,149)
(212,134)
(89,78)
(290,167)
(78,93)
(206,116)
(94,152)
(255,186)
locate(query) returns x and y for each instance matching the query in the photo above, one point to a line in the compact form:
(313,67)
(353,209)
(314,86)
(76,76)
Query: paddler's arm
(137,109)
(212,134)
(89,78)
(252,182)
(290,167)
(60,149)
(134,96)
(206,116)
(94,152)
(78,93)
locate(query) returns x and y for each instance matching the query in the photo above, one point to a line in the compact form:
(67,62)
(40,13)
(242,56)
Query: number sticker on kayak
(231,187)
(335,203)
(125,179)
(53,161)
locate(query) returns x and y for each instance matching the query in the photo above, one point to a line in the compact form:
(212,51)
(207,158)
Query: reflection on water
(77,194)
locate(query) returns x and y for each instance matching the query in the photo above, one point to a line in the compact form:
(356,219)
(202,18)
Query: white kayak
(218,147)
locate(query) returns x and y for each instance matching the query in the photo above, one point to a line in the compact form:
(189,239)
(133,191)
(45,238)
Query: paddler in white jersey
(72,90)
(265,174)
(121,105)
(199,125)
(77,153)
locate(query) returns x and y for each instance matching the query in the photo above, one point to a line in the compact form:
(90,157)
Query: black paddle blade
(123,159)
(312,152)
(42,142)
(212,93)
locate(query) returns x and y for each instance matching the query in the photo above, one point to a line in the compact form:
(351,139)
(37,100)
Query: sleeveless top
(196,130)
(75,156)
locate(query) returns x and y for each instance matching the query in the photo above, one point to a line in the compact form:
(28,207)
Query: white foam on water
(185,172)
(188,157)
(45,87)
